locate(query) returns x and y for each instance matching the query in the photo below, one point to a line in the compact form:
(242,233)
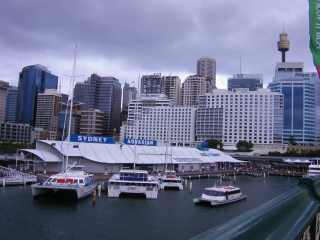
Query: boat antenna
(71,98)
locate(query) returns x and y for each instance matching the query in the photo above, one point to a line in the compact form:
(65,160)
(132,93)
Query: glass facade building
(104,94)
(33,79)
(11,104)
(299,91)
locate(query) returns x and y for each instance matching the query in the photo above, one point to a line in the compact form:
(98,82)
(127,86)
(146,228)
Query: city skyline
(118,48)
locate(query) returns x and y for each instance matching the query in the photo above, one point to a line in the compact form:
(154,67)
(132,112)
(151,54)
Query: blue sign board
(91,139)
(133,141)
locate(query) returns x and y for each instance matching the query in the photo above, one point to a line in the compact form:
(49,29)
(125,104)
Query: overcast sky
(123,38)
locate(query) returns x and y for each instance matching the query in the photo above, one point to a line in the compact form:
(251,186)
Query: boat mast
(73,76)
(136,123)
(170,119)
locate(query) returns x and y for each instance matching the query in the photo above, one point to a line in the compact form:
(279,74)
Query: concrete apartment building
(254,116)
(92,122)
(192,88)
(48,108)
(156,118)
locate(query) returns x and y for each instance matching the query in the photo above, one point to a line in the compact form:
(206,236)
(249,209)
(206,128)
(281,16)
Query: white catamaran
(71,180)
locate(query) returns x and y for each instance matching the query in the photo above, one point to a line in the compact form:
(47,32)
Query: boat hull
(201,200)
(80,192)
(116,191)
(178,186)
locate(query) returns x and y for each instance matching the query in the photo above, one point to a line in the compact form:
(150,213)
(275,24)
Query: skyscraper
(11,105)
(192,88)
(151,84)
(3,99)
(299,91)
(129,93)
(33,79)
(250,81)
(48,108)
(171,87)
(206,67)
(104,94)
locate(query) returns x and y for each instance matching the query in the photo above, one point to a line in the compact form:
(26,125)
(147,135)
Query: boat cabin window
(171,181)
(234,192)
(217,193)
(133,176)
(314,168)
(214,193)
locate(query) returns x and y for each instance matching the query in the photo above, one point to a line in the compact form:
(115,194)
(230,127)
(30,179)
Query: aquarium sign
(91,139)
(133,141)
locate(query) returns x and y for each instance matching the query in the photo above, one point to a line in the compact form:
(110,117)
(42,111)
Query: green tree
(244,146)
(216,144)
(292,140)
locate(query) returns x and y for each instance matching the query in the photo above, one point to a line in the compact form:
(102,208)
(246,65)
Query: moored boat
(314,170)
(79,183)
(133,182)
(170,180)
(220,195)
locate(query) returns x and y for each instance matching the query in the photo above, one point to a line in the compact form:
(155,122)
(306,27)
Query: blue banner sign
(132,141)
(91,139)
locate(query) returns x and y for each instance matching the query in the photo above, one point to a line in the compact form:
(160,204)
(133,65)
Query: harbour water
(172,216)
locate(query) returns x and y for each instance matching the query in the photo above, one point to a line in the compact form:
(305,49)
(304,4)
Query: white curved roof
(44,155)
(114,153)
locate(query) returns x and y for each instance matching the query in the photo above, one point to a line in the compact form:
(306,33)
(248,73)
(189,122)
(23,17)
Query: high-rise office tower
(11,105)
(151,84)
(48,108)
(129,93)
(300,93)
(206,67)
(3,99)
(192,88)
(104,94)
(33,79)
(171,88)
(250,81)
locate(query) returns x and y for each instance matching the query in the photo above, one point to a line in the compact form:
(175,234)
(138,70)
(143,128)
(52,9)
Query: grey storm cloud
(150,36)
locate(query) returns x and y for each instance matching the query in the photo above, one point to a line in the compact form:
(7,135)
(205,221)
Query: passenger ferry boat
(131,181)
(220,195)
(80,183)
(169,180)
